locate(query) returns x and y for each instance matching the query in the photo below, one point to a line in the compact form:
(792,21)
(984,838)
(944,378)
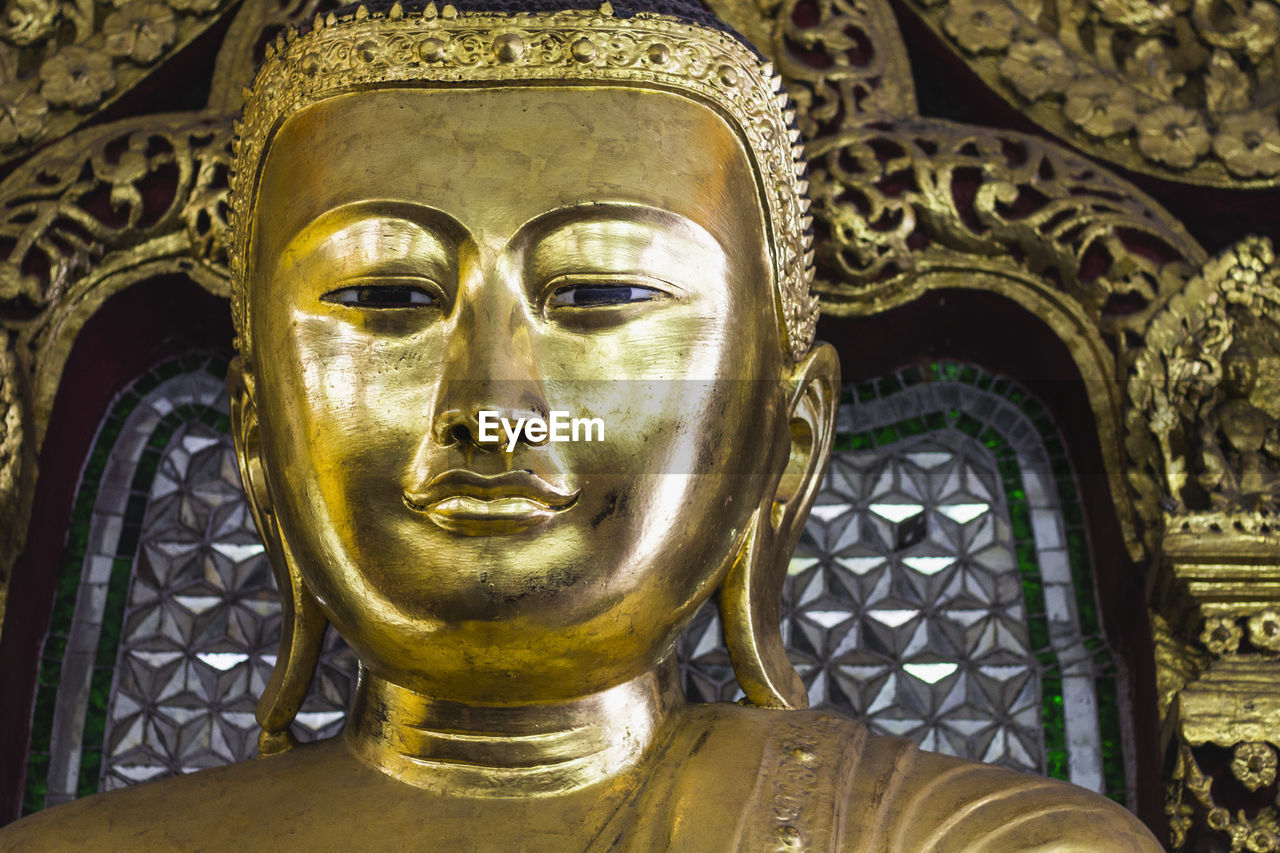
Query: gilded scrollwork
(1186,90)
(843,60)
(60,60)
(115,196)
(898,199)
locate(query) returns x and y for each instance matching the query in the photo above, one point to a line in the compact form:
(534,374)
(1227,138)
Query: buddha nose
(492,384)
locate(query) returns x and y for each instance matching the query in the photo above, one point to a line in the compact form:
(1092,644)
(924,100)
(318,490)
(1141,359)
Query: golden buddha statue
(444,218)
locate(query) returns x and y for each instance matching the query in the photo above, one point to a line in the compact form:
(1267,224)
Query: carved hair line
(362,50)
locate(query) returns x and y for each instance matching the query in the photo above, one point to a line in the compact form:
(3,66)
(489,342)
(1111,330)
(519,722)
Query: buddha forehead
(490,160)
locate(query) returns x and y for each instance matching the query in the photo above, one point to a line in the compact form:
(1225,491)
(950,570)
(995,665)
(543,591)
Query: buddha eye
(595,295)
(391,295)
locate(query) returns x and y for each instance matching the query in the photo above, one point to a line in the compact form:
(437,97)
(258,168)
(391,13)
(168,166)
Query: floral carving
(77,77)
(22,114)
(1254,764)
(1174,135)
(140,31)
(1220,635)
(1037,67)
(1264,630)
(1099,107)
(62,59)
(1186,90)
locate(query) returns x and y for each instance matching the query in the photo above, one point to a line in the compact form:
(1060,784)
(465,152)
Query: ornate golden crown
(363,50)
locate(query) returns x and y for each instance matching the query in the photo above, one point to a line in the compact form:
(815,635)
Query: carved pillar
(1206,415)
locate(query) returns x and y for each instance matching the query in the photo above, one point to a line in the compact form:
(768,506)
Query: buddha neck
(534,750)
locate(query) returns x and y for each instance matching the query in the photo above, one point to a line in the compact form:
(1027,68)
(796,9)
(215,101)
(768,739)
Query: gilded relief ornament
(1208,387)
(1183,90)
(61,60)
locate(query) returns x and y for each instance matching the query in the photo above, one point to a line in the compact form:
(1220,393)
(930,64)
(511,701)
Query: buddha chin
(412,255)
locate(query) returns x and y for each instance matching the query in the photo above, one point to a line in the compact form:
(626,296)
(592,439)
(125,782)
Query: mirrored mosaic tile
(202,626)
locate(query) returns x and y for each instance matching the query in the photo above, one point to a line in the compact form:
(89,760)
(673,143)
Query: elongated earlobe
(751,596)
(750,610)
(302,624)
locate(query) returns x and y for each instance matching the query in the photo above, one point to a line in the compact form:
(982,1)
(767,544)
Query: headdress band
(363,49)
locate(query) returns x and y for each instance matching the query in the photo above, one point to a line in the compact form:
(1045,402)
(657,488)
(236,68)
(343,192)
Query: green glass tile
(866,392)
(862,441)
(1010,474)
(843,442)
(984,381)
(846,396)
(169,369)
(33,796)
(912,426)
(1015,494)
(936,420)
(1053,445)
(1088,613)
(968,375)
(1072,515)
(146,470)
(135,509)
(1032,409)
(1026,553)
(50,672)
(110,432)
(222,423)
(96,465)
(991,439)
(90,767)
(911,376)
(46,698)
(82,510)
(1077,547)
(968,425)
(1056,764)
(886,435)
(95,726)
(64,610)
(78,537)
(69,579)
(159,439)
(55,648)
(1020,519)
(949,371)
(890,385)
(1000,387)
(1016,396)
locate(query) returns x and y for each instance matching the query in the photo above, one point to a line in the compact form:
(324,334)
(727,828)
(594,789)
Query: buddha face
(427,263)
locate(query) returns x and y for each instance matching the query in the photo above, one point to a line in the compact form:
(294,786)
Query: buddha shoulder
(822,782)
(224,808)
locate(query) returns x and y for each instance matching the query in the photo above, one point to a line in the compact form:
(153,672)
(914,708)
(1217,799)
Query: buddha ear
(751,595)
(302,624)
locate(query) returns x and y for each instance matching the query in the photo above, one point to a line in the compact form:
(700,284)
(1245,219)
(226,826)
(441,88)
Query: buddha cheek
(342,434)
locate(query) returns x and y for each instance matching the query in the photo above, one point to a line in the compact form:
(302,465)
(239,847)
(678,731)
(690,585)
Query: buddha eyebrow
(603,212)
(356,213)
